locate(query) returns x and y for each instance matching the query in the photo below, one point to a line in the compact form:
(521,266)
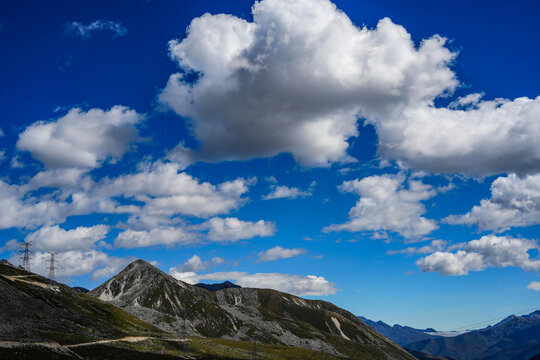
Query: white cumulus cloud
(20,212)
(534,285)
(195,263)
(488,251)
(301,285)
(515,201)
(81,139)
(164,235)
(387,204)
(54,238)
(165,192)
(296,79)
(233,229)
(486,137)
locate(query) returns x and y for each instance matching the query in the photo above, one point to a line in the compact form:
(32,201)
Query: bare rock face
(263,315)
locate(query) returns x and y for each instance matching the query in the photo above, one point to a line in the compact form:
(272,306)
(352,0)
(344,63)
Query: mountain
(81,289)
(424,356)
(42,319)
(516,338)
(219,286)
(245,314)
(401,335)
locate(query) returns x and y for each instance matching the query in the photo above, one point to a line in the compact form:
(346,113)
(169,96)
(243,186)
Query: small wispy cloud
(535,285)
(285,192)
(278,252)
(85,31)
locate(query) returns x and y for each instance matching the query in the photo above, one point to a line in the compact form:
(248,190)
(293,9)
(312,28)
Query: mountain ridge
(515,337)
(246,314)
(401,335)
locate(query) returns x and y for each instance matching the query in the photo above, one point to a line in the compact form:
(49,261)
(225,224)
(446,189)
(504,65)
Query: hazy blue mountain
(514,338)
(81,289)
(219,286)
(401,335)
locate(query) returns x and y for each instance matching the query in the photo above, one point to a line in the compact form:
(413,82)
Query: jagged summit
(141,264)
(263,315)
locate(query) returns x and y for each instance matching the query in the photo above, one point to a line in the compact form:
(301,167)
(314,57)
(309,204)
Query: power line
(487,322)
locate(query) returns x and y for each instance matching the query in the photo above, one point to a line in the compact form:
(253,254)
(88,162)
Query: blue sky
(379,155)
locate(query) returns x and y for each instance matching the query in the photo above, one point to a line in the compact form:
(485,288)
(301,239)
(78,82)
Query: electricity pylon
(25,251)
(52,266)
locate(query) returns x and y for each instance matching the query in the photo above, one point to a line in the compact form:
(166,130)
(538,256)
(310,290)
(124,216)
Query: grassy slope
(307,322)
(34,313)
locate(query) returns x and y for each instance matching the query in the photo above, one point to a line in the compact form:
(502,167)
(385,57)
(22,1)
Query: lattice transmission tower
(52,266)
(26,252)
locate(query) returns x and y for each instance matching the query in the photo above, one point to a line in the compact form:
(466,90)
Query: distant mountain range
(514,338)
(401,335)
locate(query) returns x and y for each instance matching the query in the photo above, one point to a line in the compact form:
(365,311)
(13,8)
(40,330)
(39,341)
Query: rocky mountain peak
(246,314)
(137,278)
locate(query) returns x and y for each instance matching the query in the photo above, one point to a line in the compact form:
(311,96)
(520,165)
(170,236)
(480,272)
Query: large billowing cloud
(387,204)
(296,79)
(82,139)
(514,202)
(476,255)
(292,284)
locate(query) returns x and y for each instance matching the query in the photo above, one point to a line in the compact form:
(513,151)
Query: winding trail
(130,339)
